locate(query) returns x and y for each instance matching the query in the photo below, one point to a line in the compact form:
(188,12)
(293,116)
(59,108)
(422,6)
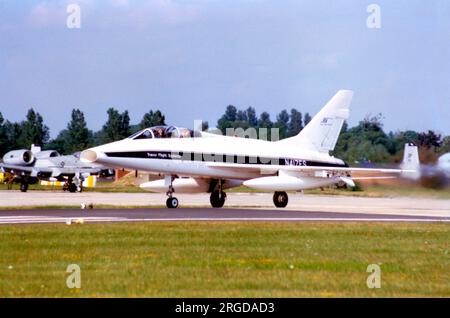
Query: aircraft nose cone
(88,156)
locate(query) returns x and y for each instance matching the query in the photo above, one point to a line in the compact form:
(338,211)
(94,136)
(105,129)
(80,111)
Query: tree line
(367,142)
(76,136)
(288,123)
(364,143)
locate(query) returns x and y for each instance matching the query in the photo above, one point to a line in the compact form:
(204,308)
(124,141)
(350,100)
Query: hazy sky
(192,58)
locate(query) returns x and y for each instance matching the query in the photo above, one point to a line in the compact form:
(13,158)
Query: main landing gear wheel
(217,199)
(72,187)
(23,187)
(172,203)
(280,199)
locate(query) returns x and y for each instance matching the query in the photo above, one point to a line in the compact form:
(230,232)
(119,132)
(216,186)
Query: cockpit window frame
(136,135)
(163,132)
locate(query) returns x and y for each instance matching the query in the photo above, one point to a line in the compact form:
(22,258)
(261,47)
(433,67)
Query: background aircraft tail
(35,149)
(322,132)
(411,162)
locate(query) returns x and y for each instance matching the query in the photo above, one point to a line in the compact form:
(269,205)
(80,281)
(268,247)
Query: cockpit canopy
(162,132)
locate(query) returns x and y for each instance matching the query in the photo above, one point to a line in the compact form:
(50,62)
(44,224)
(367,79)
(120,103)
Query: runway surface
(71,216)
(195,207)
(297,202)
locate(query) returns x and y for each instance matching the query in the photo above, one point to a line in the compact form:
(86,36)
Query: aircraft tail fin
(35,149)
(322,132)
(411,162)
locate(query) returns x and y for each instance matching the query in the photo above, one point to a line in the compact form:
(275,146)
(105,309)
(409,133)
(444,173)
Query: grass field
(101,187)
(225,259)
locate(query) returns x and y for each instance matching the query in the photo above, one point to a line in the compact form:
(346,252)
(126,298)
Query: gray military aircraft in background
(29,166)
(435,175)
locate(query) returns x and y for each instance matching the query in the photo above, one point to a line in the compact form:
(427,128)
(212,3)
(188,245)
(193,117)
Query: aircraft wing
(54,171)
(28,169)
(275,168)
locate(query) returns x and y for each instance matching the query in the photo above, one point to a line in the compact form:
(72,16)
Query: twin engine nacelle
(46,154)
(19,157)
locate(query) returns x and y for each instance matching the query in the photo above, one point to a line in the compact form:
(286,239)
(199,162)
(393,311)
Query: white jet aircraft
(209,163)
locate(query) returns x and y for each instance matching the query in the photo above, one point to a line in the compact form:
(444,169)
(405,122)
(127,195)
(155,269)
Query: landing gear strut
(73,186)
(171,202)
(280,199)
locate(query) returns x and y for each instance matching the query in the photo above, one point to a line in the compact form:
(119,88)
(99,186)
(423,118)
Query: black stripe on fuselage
(230,158)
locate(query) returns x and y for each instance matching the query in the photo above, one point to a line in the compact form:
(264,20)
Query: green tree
(241,116)
(295,123)
(344,127)
(366,142)
(111,129)
(398,141)
(252,119)
(13,131)
(307,118)
(3,136)
(116,127)
(59,143)
(430,139)
(241,120)
(265,123)
(409,136)
(152,119)
(78,135)
(33,130)
(228,119)
(125,128)
(282,123)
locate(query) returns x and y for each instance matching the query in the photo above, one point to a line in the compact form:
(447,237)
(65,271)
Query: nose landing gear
(171,202)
